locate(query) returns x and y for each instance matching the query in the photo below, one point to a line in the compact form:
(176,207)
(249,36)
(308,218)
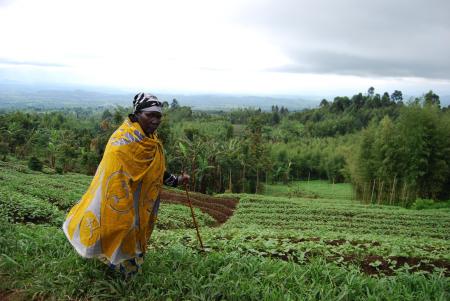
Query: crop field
(311,189)
(305,241)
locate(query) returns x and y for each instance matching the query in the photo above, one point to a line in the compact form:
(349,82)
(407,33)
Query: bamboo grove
(392,151)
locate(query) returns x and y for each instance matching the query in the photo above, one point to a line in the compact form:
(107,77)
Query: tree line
(391,150)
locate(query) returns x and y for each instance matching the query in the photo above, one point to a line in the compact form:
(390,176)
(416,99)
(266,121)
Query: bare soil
(221,209)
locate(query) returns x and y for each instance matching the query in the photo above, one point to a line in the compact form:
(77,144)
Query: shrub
(35,164)
(421,204)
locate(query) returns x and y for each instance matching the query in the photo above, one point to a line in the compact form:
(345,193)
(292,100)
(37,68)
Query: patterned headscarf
(145,102)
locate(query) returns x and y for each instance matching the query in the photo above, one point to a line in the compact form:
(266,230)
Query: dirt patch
(336,242)
(375,264)
(361,244)
(14,295)
(221,209)
(289,255)
(299,240)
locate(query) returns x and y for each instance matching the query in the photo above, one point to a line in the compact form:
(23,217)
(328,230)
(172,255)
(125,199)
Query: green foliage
(61,191)
(421,204)
(27,209)
(173,216)
(359,138)
(323,245)
(431,99)
(303,234)
(397,96)
(312,158)
(311,189)
(399,161)
(178,272)
(35,164)
(4,150)
(174,105)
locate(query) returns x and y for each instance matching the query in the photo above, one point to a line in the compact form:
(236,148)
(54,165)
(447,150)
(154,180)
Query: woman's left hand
(184,178)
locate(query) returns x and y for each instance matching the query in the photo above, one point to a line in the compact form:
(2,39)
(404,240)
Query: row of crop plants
(33,197)
(299,230)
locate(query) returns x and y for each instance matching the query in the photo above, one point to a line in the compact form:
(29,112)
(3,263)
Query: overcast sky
(260,47)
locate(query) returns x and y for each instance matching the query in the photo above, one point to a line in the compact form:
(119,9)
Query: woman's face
(149,121)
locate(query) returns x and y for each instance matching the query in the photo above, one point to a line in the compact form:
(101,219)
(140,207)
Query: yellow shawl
(114,219)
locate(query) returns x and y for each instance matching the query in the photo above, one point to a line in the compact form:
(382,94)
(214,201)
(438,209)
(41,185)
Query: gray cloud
(357,64)
(377,38)
(29,63)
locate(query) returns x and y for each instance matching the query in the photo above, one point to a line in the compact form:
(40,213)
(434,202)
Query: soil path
(220,208)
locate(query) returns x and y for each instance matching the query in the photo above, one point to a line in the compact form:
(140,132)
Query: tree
(107,115)
(410,156)
(358,101)
(174,105)
(340,104)
(431,99)
(324,103)
(4,150)
(371,91)
(257,154)
(385,99)
(397,96)
(228,160)
(275,117)
(376,101)
(53,147)
(284,111)
(119,115)
(90,161)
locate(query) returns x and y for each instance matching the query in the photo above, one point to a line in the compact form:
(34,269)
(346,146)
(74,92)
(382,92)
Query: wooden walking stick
(193,216)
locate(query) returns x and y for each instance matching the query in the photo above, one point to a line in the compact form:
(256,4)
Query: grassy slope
(242,259)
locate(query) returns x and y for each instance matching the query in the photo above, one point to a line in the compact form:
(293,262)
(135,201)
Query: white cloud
(204,46)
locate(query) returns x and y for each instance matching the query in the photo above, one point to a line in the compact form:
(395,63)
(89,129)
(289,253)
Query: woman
(115,217)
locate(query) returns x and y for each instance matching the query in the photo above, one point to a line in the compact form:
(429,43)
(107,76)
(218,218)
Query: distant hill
(18,96)
(228,102)
(13,96)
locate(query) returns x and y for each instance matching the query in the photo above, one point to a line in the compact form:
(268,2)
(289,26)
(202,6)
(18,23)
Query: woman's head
(146,102)
(148,111)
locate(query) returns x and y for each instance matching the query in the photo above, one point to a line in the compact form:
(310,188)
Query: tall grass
(38,262)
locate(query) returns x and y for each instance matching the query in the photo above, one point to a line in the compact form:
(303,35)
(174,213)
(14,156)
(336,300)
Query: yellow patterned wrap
(115,217)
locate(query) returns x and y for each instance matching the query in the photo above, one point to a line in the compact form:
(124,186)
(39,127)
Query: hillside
(278,247)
